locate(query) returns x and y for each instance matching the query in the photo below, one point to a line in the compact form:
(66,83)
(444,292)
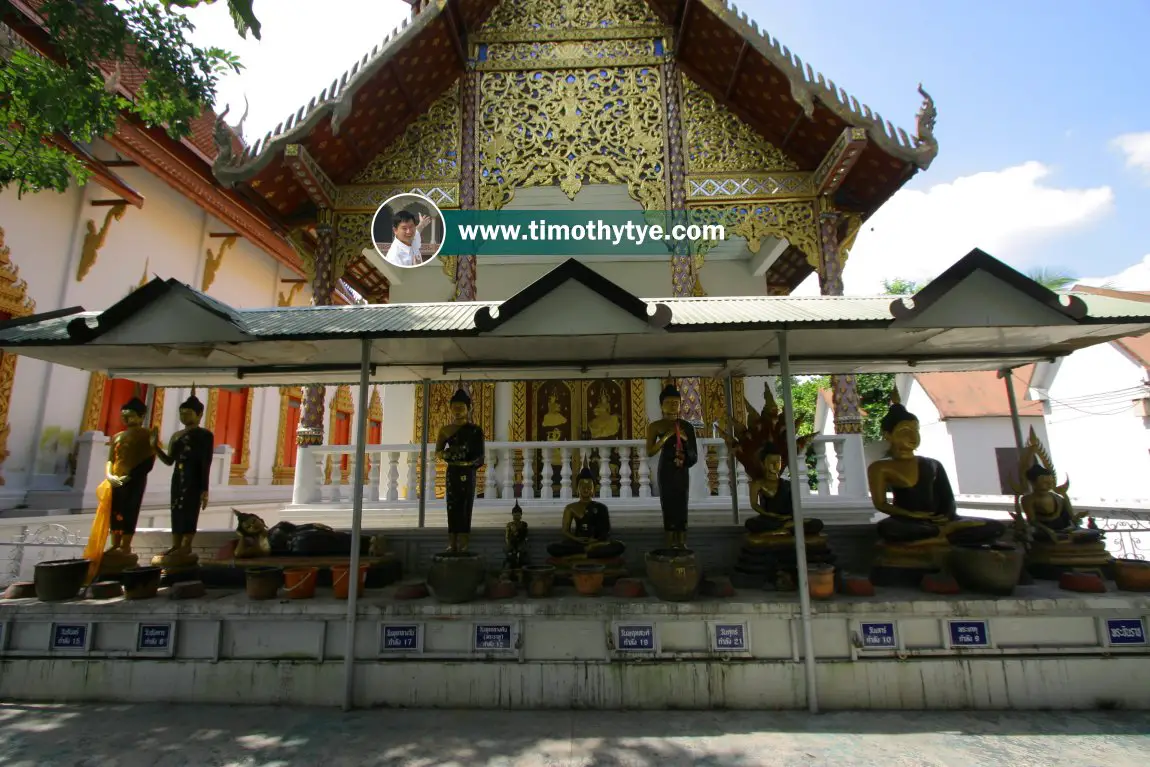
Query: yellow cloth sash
(101,526)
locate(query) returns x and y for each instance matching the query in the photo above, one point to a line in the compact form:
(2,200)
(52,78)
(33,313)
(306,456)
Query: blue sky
(1030,95)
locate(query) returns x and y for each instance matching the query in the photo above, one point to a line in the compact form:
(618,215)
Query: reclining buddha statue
(922,516)
(1058,543)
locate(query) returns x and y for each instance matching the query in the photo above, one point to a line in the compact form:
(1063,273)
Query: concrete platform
(898,650)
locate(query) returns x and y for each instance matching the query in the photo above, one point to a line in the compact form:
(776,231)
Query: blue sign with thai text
(398,638)
(969,634)
(636,637)
(69,636)
(493,636)
(1126,631)
(731,637)
(154,636)
(878,635)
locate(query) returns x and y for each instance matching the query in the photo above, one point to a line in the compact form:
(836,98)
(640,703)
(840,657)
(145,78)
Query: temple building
(643,105)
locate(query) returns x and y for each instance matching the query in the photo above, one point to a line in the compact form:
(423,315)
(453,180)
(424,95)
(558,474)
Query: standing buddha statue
(922,515)
(190,450)
(121,494)
(673,440)
(460,444)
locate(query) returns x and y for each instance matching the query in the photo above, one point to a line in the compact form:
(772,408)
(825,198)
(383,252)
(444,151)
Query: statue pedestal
(764,556)
(905,564)
(1048,561)
(113,562)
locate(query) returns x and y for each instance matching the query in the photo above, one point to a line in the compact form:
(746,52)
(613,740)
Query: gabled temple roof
(170,335)
(745,68)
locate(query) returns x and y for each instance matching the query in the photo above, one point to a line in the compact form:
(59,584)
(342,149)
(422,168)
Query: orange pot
(588,579)
(821,581)
(299,582)
(1132,574)
(340,581)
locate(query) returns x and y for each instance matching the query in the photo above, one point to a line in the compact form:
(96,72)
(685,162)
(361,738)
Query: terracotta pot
(1132,574)
(411,590)
(263,582)
(501,590)
(674,574)
(455,577)
(106,590)
(821,581)
(630,588)
(588,579)
(341,583)
(540,580)
(1085,583)
(60,579)
(20,590)
(299,582)
(993,569)
(141,582)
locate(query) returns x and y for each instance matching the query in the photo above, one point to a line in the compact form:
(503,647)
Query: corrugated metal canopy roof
(572,323)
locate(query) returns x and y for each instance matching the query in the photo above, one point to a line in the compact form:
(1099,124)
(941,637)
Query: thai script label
(968,634)
(396,638)
(731,637)
(495,636)
(154,636)
(69,636)
(1126,631)
(878,635)
(636,637)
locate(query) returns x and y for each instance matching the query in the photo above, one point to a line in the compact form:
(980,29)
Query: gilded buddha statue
(586,527)
(460,445)
(673,440)
(1058,541)
(771,498)
(922,516)
(190,451)
(130,459)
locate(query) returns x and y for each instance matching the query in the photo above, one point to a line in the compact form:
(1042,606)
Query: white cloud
(919,234)
(1136,277)
(1136,148)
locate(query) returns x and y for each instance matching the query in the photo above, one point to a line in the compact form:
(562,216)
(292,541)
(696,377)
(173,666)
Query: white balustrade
(839,472)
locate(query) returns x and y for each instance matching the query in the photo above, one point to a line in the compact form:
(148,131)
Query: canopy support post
(1007,375)
(800,536)
(731,471)
(356,527)
(426,418)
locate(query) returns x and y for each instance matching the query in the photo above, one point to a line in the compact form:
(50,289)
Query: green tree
(1052,279)
(67,94)
(900,287)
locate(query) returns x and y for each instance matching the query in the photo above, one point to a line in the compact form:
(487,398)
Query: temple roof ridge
(921,149)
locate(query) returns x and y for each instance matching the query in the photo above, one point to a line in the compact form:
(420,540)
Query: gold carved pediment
(430,148)
(547,19)
(718,141)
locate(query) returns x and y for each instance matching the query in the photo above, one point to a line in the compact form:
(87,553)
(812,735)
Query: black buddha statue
(190,451)
(673,439)
(515,553)
(586,526)
(460,445)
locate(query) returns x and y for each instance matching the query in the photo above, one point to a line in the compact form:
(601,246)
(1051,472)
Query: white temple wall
(976,441)
(168,237)
(1097,424)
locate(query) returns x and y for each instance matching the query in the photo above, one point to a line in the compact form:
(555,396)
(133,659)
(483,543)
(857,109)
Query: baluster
(741,484)
(320,463)
(373,477)
(644,474)
(489,480)
(840,466)
(822,470)
(429,479)
(723,470)
(565,473)
(804,479)
(343,486)
(507,455)
(411,484)
(625,454)
(528,473)
(392,491)
(604,471)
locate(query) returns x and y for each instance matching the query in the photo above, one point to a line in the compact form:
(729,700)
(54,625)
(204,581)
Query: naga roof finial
(925,120)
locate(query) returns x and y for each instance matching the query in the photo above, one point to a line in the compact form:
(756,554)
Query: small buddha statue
(771,498)
(586,526)
(1058,540)
(460,445)
(673,440)
(515,542)
(121,494)
(922,515)
(190,450)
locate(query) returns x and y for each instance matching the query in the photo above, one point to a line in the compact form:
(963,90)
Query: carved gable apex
(547,19)
(717,141)
(428,150)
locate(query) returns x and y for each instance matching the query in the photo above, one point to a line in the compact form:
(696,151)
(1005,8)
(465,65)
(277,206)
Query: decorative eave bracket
(310,176)
(837,163)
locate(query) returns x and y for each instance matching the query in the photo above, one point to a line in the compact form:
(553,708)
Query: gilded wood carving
(546,19)
(718,141)
(287,299)
(14,302)
(428,149)
(94,240)
(796,222)
(212,262)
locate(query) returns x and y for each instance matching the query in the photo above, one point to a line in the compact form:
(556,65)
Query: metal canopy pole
(356,525)
(731,471)
(800,535)
(426,416)
(1007,375)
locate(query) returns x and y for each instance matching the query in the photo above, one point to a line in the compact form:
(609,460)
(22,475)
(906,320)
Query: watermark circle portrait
(408,230)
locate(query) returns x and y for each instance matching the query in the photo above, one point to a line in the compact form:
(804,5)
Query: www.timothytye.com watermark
(593,231)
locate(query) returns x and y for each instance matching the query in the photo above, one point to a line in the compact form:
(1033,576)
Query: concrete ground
(219,736)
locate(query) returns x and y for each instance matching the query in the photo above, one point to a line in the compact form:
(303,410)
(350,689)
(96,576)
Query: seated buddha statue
(515,542)
(1059,542)
(771,498)
(922,515)
(586,526)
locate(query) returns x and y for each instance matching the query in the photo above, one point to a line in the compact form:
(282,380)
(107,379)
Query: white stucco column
(504,403)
